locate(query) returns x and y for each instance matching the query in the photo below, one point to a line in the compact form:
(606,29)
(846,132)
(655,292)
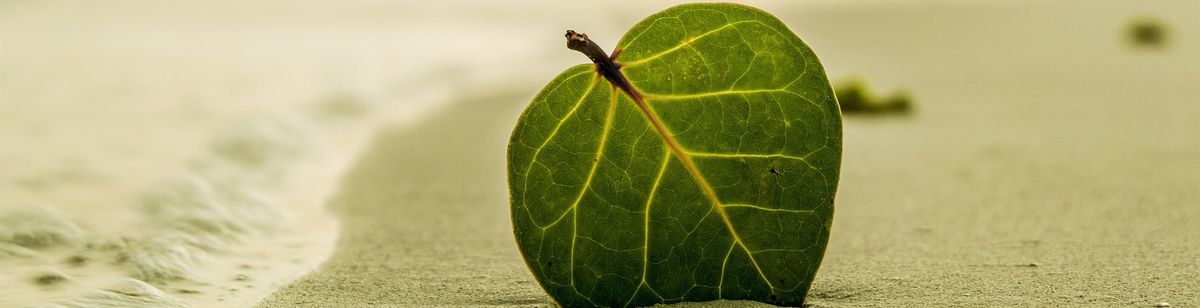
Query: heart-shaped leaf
(699,163)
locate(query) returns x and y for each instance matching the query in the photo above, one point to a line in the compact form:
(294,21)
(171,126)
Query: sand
(1046,163)
(426,219)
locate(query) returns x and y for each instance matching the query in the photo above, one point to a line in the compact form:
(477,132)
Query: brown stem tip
(606,66)
(579,42)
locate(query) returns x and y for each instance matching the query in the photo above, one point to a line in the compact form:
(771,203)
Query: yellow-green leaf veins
(699,162)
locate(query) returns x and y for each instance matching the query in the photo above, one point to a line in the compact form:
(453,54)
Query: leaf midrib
(686,159)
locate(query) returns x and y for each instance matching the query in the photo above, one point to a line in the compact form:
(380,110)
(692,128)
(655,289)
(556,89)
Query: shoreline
(228,228)
(403,211)
(1047,162)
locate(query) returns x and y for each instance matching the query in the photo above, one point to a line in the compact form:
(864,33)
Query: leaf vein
(608,120)
(536,153)
(687,42)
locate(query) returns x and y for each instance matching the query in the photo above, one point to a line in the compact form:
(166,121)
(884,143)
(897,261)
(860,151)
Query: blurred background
(217,153)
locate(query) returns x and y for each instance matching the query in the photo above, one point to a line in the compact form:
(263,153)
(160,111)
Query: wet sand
(165,154)
(1046,163)
(426,219)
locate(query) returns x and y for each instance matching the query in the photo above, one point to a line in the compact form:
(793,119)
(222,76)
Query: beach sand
(426,219)
(1046,161)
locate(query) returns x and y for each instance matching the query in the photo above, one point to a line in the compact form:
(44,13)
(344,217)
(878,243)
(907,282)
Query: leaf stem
(605,65)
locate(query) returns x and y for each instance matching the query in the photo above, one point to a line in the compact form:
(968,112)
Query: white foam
(243,217)
(191,147)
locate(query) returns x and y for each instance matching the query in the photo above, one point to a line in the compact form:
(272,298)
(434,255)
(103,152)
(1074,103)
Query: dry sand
(1047,163)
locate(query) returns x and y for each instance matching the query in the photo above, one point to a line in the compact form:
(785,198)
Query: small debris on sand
(1147,33)
(855,98)
(1162,305)
(241,277)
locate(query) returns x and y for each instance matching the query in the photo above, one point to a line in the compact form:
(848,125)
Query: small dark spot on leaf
(773,298)
(776,172)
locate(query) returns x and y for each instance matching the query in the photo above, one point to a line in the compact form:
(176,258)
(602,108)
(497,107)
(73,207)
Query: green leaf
(712,176)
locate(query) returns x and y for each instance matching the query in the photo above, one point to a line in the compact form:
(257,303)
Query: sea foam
(220,201)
